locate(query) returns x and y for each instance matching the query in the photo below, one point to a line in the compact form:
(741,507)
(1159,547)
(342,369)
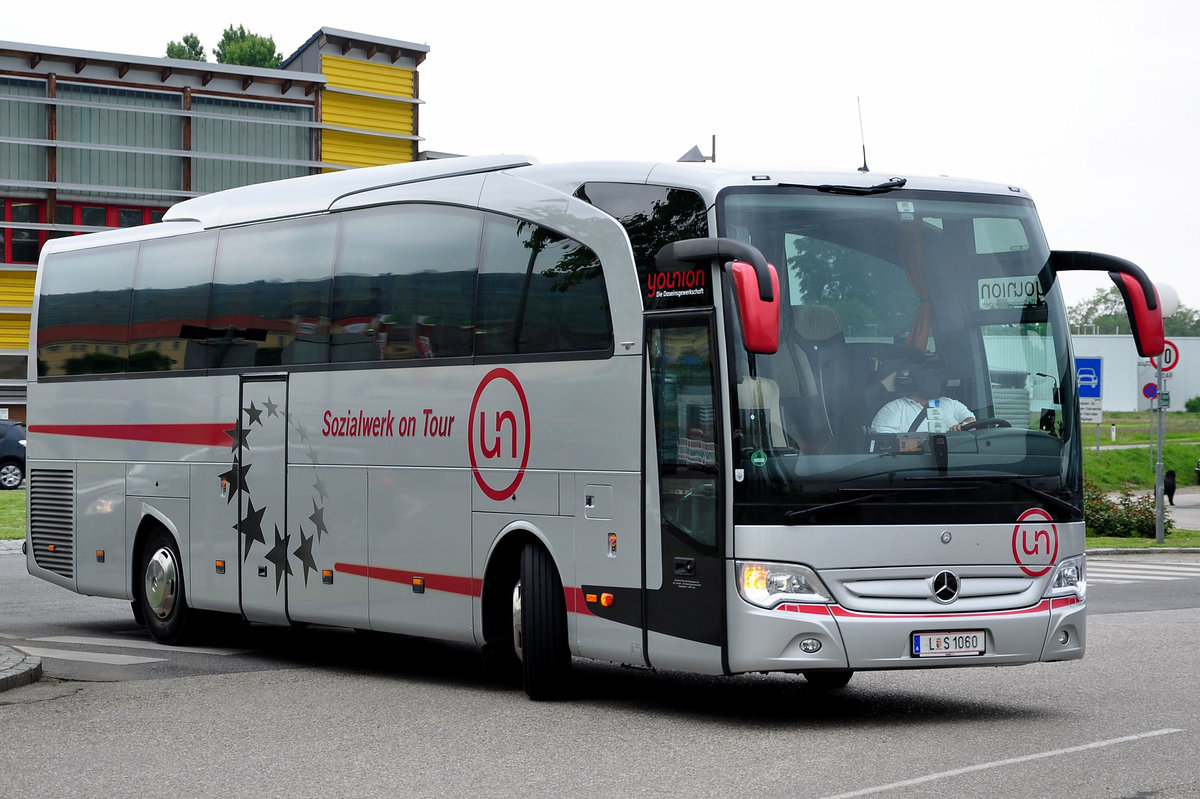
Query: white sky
(1092,106)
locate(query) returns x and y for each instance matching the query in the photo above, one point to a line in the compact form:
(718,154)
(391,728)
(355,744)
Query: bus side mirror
(760,318)
(1141,298)
(756,284)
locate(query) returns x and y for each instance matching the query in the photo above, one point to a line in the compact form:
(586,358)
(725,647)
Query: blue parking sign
(1087,377)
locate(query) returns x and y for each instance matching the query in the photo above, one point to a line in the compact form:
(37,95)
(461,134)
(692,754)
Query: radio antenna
(862,137)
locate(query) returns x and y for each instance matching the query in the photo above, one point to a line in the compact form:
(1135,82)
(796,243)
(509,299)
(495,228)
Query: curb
(17,668)
(1141,551)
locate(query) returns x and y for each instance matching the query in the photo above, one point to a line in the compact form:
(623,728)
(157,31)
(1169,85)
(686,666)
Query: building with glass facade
(92,140)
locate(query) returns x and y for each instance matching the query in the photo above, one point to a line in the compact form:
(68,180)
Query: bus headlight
(1070,578)
(768,584)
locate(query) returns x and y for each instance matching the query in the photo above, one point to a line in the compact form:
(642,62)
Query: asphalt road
(318,712)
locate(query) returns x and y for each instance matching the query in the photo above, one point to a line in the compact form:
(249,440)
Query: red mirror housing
(760,318)
(1145,318)
(1141,298)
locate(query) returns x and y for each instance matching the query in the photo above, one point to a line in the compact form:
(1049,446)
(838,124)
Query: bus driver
(913,412)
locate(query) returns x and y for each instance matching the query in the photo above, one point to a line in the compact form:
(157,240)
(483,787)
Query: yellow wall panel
(355,149)
(16,287)
(368,113)
(367,76)
(14,332)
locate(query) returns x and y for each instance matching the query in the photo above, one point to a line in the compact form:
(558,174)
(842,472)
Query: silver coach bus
(672,415)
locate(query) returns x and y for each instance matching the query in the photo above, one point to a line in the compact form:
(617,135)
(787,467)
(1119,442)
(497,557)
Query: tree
(239,46)
(1105,311)
(189,50)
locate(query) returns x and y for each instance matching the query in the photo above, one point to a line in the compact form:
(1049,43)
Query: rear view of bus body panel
(101,465)
(887,595)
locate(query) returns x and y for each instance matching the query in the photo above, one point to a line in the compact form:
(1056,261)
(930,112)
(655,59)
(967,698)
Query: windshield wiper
(858,191)
(796,515)
(1061,504)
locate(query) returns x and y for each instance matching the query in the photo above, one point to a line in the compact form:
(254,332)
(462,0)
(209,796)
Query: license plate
(950,644)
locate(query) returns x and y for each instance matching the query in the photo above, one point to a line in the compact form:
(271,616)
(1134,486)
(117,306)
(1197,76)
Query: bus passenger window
(539,292)
(405,285)
(169,325)
(270,296)
(85,304)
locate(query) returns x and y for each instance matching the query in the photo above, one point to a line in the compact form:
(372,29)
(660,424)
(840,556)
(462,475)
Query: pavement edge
(18,668)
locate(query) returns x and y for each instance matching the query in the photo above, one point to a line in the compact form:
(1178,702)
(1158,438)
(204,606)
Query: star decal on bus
(254,413)
(304,554)
(318,518)
(251,526)
(236,478)
(239,437)
(279,556)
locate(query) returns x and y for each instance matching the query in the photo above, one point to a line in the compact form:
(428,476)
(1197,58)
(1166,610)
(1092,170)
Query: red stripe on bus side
(206,434)
(434,582)
(467,586)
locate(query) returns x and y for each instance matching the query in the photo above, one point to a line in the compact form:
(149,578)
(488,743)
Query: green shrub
(1127,517)
(1192,405)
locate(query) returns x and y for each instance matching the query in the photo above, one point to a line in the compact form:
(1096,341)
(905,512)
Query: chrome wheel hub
(518,628)
(162,581)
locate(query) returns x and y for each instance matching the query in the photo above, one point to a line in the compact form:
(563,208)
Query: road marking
(1164,568)
(1001,763)
(86,657)
(1117,573)
(83,640)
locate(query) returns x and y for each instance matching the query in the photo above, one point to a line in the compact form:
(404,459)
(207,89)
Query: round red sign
(1035,542)
(499,433)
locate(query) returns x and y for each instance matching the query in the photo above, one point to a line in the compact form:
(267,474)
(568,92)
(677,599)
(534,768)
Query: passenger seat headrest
(817,322)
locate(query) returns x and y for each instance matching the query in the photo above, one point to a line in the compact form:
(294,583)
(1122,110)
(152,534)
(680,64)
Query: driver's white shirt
(899,414)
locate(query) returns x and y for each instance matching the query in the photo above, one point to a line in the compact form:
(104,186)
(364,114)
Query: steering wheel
(979,424)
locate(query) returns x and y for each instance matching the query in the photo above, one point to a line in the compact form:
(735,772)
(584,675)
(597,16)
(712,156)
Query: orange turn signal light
(606,600)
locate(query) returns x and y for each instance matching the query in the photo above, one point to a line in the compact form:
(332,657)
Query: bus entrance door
(263,541)
(685,579)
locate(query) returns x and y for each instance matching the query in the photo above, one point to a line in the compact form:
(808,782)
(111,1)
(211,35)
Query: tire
(828,680)
(540,625)
(160,590)
(11,475)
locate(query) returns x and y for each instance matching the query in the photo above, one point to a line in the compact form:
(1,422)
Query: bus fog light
(810,645)
(1063,637)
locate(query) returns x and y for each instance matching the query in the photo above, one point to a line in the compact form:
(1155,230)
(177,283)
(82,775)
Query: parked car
(12,454)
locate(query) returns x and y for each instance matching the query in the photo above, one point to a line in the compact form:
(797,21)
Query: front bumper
(769,640)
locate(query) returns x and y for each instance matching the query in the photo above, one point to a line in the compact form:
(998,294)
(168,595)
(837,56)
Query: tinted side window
(83,313)
(405,284)
(169,329)
(271,293)
(653,216)
(539,292)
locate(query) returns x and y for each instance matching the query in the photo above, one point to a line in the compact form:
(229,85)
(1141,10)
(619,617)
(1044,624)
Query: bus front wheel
(160,593)
(540,625)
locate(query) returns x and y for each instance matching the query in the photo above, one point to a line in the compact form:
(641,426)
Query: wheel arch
(152,520)
(500,574)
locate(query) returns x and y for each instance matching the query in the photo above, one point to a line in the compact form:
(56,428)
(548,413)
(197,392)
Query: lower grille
(52,519)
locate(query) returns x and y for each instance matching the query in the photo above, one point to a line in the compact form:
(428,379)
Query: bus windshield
(923,361)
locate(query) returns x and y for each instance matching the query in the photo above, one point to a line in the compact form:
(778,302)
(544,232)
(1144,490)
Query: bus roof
(316,194)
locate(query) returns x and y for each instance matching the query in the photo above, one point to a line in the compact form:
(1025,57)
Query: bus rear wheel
(160,593)
(540,625)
